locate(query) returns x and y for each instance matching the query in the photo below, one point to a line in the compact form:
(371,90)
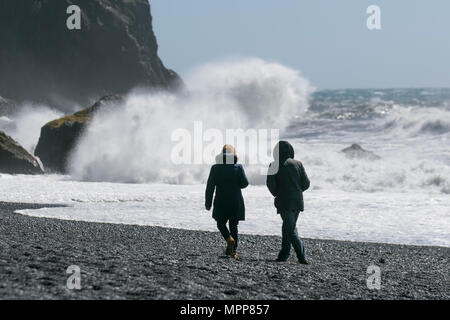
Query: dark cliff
(42,60)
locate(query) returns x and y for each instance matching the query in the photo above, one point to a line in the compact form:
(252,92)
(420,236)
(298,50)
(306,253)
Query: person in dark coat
(287,180)
(227,178)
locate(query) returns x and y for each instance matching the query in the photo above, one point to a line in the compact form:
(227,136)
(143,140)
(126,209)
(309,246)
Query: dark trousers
(290,237)
(233,224)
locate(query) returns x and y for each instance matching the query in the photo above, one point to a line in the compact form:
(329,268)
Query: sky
(326,40)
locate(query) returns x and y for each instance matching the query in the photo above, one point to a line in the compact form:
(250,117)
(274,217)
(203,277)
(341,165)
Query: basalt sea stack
(14,159)
(59,137)
(42,60)
(355,151)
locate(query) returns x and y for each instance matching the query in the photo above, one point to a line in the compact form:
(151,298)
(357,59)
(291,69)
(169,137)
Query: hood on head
(284,150)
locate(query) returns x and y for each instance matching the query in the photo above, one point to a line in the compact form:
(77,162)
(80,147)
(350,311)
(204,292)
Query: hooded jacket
(287,179)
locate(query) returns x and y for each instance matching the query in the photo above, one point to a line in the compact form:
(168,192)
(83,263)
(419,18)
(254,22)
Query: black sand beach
(135,262)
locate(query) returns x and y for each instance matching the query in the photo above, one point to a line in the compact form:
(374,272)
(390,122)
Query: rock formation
(115,50)
(14,159)
(59,137)
(355,151)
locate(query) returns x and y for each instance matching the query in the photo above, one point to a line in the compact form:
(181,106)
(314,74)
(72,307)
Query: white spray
(132,143)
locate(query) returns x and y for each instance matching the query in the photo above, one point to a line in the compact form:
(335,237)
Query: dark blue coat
(290,180)
(227,180)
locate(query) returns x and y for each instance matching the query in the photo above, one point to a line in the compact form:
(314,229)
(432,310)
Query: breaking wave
(133,143)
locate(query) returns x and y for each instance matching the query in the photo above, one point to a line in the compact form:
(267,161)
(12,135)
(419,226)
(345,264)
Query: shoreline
(145,262)
(214,232)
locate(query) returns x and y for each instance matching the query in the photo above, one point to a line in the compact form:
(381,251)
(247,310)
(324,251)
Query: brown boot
(230,246)
(234,255)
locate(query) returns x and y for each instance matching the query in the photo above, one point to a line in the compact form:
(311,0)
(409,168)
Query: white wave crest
(132,143)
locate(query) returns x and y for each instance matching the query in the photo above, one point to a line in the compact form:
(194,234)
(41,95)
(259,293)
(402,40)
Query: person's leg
(297,243)
(234,231)
(222,226)
(286,232)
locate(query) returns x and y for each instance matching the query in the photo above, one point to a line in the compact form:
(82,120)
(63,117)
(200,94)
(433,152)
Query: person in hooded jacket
(286,181)
(227,178)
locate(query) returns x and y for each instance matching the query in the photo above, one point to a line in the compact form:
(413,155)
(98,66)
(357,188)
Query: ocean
(122,172)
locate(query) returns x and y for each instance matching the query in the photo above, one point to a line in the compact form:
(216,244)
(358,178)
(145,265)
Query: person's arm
(210,186)
(271,183)
(304,180)
(243,181)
